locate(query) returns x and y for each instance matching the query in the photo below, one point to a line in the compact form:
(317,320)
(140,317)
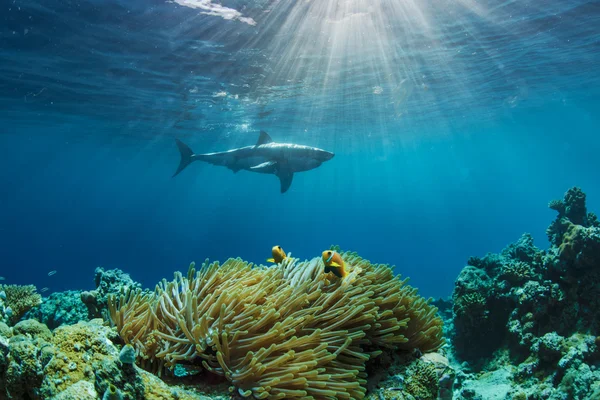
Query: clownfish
(334,263)
(278,255)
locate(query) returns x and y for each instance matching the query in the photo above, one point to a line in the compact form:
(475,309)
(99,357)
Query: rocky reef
(526,321)
(60,308)
(78,361)
(523,324)
(109,282)
(57,350)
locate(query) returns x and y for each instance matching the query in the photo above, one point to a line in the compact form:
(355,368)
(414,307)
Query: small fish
(51,272)
(44,289)
(2,278)
(278,255)
(334,263)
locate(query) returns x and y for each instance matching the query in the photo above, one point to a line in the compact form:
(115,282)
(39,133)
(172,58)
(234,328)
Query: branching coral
(18,300)
(280,332)
(517,272)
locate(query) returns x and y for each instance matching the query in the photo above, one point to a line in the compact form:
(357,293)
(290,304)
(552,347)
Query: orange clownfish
(278,255)
(334,263)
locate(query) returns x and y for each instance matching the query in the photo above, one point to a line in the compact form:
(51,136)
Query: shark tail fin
(187,156)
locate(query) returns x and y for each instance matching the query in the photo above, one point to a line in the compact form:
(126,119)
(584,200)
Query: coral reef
(60,308)
(70,307)
(16,300)
(113,281)
(527,320)
(284,331)
(410,376)
(78,361)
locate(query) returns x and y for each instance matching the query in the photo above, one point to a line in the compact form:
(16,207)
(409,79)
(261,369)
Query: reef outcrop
(108,282)
(530,317)
(78,361)
(60,308)
(232,330)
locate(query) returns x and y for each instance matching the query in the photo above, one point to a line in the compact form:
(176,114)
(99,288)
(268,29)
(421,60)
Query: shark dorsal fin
(264,138)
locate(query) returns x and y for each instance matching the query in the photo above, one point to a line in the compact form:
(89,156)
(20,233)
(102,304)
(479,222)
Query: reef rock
(60,308)
(531,316)
(410,377)
(78,361)
(111,282)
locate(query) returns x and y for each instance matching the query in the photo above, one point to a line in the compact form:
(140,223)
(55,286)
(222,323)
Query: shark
(266,157)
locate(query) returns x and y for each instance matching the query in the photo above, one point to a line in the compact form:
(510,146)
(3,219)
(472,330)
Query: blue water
(453,125)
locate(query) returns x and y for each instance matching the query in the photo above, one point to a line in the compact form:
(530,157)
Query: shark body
(266,157)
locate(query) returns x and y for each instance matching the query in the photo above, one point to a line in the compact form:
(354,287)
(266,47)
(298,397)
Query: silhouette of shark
(265,157)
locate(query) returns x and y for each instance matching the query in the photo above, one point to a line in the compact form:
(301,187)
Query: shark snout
(327,155)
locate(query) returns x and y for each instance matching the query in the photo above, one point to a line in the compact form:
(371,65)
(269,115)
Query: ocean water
(453,124)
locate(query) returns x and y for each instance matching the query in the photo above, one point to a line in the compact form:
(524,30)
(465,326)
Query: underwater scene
(299,199)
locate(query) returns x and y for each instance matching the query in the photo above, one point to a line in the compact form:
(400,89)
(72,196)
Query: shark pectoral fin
(263,138)
(285,178)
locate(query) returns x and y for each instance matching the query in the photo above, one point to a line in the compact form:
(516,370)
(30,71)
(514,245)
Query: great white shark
(266,157)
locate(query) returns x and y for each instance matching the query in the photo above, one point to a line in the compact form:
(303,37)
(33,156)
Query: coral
(60,308)
(489,263)
(422,382)
(127,354)
(472,279)
(571,210)
(76,362)
(5,330)
(575,209)
(24,366)
(549,347)
(478,312)
(445,374)
(18,299)
(4,351)
(528,292)
(517,272)
(285,331)
(593,221)
(32,328)
(82,390)
(113,281)
(542,308)
(523,250)
(408,376)
(577,382)
(112,393)
(471,306)
(580,247)
(557,205)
